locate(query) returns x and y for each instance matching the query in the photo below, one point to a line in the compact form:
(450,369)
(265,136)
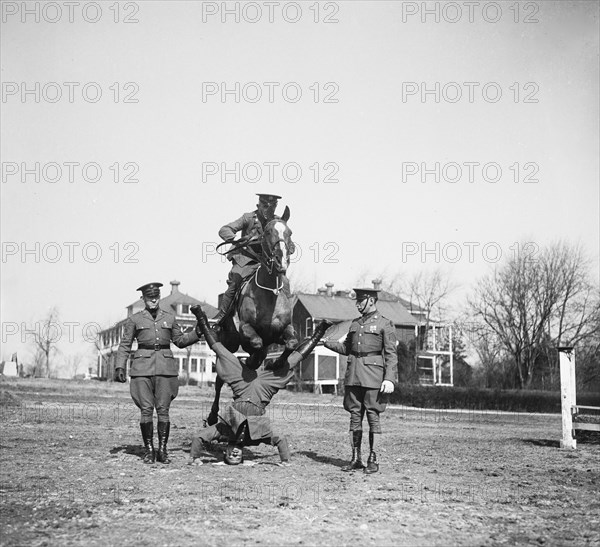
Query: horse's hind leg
(213,417)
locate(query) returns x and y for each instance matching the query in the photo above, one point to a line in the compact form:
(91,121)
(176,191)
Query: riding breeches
(150,392)
(360,400)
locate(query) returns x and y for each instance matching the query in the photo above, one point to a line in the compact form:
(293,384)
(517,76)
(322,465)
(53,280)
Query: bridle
(269,263)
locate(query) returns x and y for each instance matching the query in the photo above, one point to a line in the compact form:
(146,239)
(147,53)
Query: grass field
(71,474)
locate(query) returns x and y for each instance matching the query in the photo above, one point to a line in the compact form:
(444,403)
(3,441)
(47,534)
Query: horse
(264,305)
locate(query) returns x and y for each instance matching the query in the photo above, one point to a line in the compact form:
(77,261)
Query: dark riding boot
(226,303)
(148,438)
(163,436)
(307,346)
(205,329)
(355,462)
(372,465)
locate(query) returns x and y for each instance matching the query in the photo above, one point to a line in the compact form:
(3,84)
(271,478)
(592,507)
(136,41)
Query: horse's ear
(286,214)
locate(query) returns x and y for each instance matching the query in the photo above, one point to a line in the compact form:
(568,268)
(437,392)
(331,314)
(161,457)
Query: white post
(566,357)
(451,357)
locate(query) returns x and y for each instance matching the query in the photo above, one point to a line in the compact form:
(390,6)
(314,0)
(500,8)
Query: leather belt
(365,353)
(155,347)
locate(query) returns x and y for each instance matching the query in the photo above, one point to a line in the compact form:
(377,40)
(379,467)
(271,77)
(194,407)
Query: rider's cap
(268,198)
(361,294)
(150,290)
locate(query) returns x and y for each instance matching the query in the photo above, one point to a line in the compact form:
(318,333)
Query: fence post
(566,356)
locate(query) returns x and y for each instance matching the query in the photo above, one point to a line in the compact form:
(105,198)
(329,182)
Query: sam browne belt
(155,347)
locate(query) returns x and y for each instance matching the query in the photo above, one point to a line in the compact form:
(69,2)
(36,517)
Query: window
(309,326)
(214,367)
(185,364)
(194,365)
(185,309)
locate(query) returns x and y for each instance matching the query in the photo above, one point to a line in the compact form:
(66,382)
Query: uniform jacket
(149,331)
(259,427)
(250,226)
(372,334)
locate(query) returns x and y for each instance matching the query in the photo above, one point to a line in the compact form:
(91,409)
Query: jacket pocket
(373,361)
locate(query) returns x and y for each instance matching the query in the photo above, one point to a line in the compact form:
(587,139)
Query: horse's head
(277,243)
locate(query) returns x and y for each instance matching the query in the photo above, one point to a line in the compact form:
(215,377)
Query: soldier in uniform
(245,261)
(372,368)
(244,423)
(153,369)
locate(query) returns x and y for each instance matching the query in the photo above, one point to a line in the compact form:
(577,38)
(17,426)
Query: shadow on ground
(336,462)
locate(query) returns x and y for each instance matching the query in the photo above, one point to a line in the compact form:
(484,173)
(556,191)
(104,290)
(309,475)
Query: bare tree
(487,348)
(298,285)
(45,335)
(532,302)
(430,291)
(72,363)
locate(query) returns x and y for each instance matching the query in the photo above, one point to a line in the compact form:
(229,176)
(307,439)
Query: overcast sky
(344,104)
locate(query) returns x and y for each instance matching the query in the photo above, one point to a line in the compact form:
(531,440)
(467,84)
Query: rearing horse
(264,306)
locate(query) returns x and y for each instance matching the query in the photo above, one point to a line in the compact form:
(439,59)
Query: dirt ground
(71,474)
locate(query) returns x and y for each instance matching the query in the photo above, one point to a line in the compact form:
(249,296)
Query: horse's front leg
(288,337)
(251,341)
(253,344)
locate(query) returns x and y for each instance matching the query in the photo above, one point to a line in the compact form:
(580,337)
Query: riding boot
(304,349)
(209,334)
(372,465)
(226,302)
(163,436)
(282,447)
(148,438)
(355,462)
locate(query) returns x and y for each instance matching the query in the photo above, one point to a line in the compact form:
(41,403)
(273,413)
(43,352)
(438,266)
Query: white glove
(387,387)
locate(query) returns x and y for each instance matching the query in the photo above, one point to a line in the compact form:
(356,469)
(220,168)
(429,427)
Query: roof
(411,307)
(341,308)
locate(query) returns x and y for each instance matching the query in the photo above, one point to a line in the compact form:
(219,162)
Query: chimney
(376,284)
(329,288)
(345,294)
(321,291)
(174,287)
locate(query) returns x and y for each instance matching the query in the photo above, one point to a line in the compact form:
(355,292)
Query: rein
(268,263)
(240,246)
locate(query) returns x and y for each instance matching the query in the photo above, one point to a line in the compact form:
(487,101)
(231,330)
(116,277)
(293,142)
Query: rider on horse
(246,258)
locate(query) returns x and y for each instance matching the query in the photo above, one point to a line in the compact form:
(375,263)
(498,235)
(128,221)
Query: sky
(403,136)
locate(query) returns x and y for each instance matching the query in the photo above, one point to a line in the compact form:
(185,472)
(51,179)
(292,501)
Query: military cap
(269,198)
(150,290)
(361,294)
